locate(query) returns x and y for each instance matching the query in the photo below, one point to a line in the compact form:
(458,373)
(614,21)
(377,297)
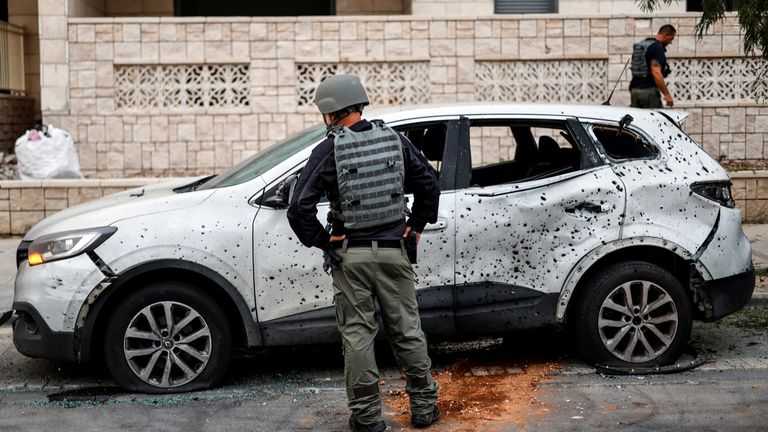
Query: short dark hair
(668,29)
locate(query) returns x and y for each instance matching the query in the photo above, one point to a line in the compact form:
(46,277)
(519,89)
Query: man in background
(649,68)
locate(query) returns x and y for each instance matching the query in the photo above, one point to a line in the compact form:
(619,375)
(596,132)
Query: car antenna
(608,101)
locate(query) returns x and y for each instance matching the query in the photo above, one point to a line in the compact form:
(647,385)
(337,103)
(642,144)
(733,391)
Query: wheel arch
(663,253)
(90,325)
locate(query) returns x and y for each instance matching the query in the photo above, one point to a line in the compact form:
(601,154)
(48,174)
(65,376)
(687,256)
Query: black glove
(410,246)
(331,260)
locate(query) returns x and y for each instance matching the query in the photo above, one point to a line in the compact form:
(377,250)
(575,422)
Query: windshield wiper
(194,186)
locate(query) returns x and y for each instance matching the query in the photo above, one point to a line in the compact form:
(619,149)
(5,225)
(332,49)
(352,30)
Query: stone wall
(732,135)
(436,8)
(175,96)
(23,13)
(17,114)
(54,56)
(25,203)
(750,191)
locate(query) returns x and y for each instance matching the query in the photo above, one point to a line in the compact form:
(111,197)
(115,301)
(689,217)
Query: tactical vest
(639,62)
(370,169)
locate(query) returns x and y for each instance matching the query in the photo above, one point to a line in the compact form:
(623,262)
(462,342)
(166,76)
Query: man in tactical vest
(649,68)
(364,169)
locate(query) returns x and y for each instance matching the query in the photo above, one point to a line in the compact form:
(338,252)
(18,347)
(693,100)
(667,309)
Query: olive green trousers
(645,98)
(386,275)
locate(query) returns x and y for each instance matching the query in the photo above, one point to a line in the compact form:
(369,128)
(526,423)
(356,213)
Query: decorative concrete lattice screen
(182,86)
(718,79)
(542,80)
(386,83)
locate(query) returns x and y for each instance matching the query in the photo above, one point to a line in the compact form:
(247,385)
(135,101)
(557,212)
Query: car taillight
(720,192)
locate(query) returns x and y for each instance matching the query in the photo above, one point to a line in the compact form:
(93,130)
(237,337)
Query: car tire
(146,355)
(651,331)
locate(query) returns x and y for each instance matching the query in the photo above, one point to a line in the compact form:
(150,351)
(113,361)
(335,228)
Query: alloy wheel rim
(167,344)
(638,321)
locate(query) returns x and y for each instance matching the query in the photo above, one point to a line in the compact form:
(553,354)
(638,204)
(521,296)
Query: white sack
(49,157)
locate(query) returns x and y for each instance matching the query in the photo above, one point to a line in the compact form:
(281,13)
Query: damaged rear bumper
(727,295)
(33,338)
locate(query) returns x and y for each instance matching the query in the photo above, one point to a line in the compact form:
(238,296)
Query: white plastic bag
(47,156)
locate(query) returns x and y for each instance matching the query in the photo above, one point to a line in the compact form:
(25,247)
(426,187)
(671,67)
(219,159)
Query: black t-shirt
(655,51)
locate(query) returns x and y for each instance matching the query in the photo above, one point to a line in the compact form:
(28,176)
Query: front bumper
(33,338)
(727,295)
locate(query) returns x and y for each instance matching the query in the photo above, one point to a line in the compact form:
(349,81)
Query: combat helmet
(339,92)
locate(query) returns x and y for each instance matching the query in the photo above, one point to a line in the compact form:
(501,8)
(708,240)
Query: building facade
(148,93)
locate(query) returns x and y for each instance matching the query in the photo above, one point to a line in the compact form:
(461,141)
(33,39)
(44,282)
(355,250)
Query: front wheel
(632,314)
(168,337)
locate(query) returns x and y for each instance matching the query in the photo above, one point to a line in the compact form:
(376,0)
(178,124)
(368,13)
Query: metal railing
(11,58)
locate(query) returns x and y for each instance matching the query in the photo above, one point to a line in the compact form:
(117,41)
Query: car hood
(105,211)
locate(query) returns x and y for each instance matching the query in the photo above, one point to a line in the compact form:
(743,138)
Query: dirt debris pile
(477,397)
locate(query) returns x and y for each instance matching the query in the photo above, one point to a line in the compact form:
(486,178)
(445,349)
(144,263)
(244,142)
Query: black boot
(356,426)
(424,420)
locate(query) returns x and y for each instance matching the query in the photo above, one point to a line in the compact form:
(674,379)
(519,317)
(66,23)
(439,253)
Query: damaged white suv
(609,221)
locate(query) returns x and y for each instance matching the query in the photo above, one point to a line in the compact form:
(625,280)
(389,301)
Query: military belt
(351,243)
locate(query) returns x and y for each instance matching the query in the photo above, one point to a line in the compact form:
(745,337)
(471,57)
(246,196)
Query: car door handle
(589,207)
(441,224)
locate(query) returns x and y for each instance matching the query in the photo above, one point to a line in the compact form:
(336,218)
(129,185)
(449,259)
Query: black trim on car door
(589,156)
(496,307)
(319,326)
(458,151)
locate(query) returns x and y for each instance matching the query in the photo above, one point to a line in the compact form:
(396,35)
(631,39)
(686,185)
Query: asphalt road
(530,381)
(730,400)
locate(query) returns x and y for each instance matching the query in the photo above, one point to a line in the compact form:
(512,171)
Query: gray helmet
(338,92)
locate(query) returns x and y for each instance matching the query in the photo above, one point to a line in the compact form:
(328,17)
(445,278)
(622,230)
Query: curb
(758,300)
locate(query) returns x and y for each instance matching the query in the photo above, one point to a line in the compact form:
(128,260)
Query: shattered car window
(624,144)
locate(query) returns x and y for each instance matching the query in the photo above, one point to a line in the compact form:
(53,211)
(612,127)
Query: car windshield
(265,160)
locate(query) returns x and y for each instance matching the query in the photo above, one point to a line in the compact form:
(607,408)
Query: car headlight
(67,244)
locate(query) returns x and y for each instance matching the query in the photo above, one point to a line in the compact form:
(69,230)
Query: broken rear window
(624,144)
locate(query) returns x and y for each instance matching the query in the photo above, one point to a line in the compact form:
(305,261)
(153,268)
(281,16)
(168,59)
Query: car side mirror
(283,192)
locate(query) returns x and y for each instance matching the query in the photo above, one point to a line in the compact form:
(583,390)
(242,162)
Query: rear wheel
(168,337)
(632,314)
